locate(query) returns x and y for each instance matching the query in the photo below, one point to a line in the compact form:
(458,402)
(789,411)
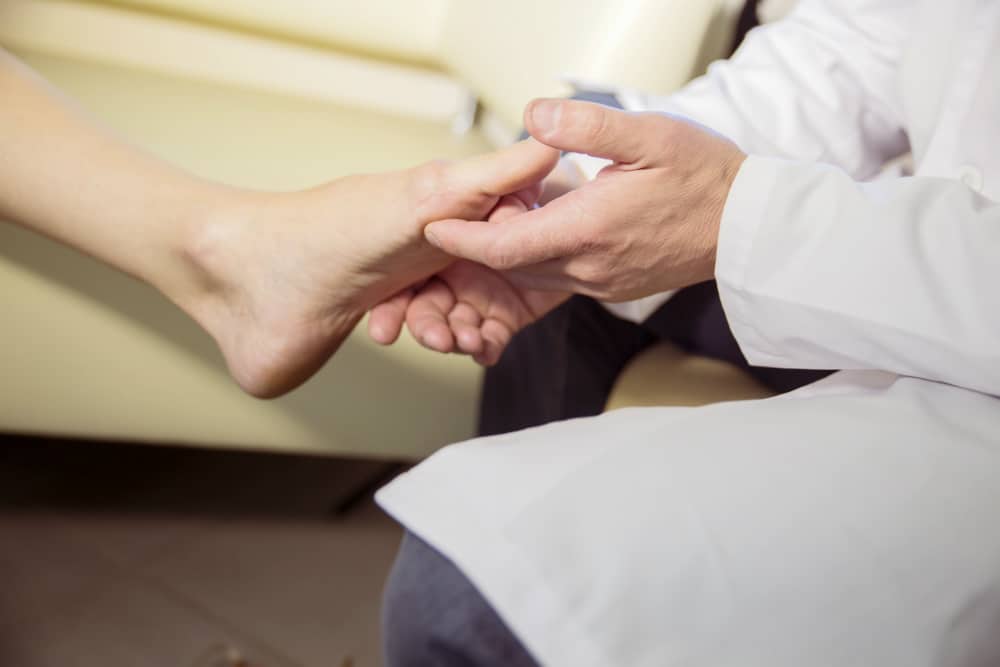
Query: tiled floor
(118,556)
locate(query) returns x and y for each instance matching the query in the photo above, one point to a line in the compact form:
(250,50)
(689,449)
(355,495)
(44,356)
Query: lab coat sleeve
(817,270)
(820,85)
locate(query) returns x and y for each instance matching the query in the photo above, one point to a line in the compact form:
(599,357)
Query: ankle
(199,275)
(245,287)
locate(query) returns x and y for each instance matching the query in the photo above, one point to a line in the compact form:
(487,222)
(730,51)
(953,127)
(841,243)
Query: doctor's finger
(519,241)
(386,319)
(569,275)
(465,322)
(496,336)
(427,316)
(540,234)
(594,129)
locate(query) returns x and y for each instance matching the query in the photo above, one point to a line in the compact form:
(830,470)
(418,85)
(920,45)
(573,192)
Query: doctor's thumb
(585,127)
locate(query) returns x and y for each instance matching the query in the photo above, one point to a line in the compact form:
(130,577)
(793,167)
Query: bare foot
(286,277)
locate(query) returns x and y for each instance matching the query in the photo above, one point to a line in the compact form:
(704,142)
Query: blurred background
(152,514)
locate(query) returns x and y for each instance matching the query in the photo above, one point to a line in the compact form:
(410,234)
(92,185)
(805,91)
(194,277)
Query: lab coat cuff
(742,216)
(639,310)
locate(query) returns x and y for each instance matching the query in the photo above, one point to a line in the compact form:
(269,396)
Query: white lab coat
(854,522)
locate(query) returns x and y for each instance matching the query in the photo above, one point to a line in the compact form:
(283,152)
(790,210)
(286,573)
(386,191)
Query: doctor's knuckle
(589,244)
(591,123)
(500,256)
(590,271)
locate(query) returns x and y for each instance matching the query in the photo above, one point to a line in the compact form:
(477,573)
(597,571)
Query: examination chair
(287,95)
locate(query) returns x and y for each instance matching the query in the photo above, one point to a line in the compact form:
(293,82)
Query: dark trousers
(433,615)
(564,365)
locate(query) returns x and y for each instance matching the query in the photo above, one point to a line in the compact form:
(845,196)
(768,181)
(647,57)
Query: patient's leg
(278,279)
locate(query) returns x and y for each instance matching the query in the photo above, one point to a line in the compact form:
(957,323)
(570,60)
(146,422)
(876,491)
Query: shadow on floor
(48,474)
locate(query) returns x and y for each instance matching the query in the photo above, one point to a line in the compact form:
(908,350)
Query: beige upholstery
(666,375)
(406,30)
(165,44)
(281,95)
(509,52)
(506,53)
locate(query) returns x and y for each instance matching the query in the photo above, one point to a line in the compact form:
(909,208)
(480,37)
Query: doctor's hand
(648,223)
(467,308)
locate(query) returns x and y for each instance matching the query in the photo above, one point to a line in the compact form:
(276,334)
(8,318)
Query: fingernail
(433,240)
(545,115)
(434,341)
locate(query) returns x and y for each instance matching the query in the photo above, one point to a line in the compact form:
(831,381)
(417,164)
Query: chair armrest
(666,375)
